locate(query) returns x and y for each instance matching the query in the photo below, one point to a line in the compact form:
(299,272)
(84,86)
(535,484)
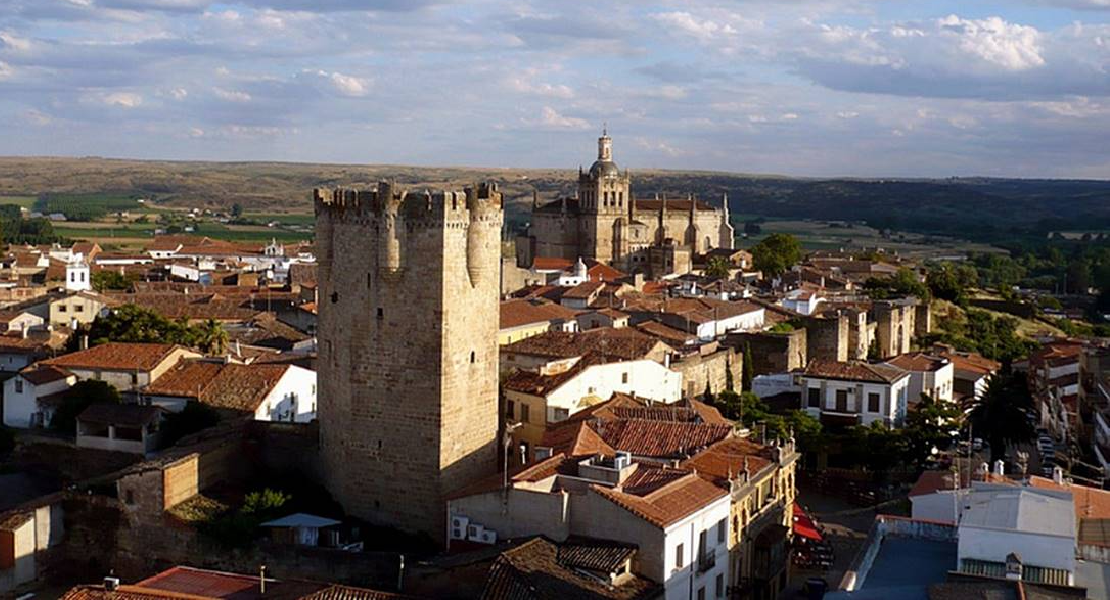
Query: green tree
(1001,414)
(7,441)
(748,370)
(196,416)
(951,282)
(718,268)
(111,280)
(236,210)
(877,447)
(130,323)
(903,283)
(776,254)
(873,352)
(707,395)
(730,382)
(80,396)
(929,425)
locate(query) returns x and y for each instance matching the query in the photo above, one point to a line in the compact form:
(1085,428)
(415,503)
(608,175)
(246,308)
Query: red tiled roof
(39,374)
(541,570)
(584,290)
(193,583)
(627,343)
(117,356)
(666,504)
(972,362)
(519,312)
(918,361)
(728,457)
(854,371)
(187,379)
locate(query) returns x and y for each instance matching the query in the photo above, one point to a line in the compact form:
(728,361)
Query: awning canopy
(804,526)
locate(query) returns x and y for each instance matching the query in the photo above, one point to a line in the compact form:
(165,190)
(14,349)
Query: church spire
(605,145)
(693,208)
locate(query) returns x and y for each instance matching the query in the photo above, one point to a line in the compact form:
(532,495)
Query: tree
(7,441)
(776,253)
(730,382)
(1001,414)
(80,396)
(748,370)
(718,268)
(929,425)
(236,210)
(951,282)
(196,416)
(111,280)
(707,395)
(130,323)
(903,283)
(873,352)
(876,446)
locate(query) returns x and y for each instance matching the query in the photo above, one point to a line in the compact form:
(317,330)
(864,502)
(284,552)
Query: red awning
(804,526)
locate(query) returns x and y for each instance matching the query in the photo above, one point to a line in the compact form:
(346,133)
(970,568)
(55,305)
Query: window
(722,530)
(509,407)
(134,378)
(524,413)
(79,308)
(381,313)
(815,397)
(841,400)
(472,357)
(61,308)
(678,562)
(19,385)
(624,377)
(561,414)
(701,593)
(703,543)
(719,587)
(873,402)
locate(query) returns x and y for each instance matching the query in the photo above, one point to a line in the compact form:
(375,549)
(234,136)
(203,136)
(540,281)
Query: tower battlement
(424,207)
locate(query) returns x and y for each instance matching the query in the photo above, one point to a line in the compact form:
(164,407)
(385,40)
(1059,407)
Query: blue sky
(797,87)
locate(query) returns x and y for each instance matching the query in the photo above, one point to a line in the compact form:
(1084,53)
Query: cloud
(552,119)
(704,30)
(115,99)
(231,95)
(37,117)
(6,71)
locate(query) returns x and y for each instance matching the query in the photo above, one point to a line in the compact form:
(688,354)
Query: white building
(78,277)
(678,520)
(1036,524)
(577,274)
(269,392)
(855,392)
(930,375)
(802,301)
(32,395)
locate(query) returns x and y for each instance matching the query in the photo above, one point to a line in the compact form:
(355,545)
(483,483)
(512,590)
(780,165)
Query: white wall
(294,397)
(892,398)
(12,363)
(19,406)
(647,378)
(1035,549)
(683,583)
(745,322)
(938,506)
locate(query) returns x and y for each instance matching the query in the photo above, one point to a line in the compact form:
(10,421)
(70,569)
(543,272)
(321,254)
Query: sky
(873,88)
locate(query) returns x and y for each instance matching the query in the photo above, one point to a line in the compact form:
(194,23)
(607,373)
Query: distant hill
(975,208)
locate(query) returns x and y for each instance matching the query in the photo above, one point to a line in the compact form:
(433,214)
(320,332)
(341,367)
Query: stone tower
(408,356)
(603,195)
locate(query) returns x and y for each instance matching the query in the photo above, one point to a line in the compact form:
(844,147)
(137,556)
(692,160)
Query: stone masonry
(408,321)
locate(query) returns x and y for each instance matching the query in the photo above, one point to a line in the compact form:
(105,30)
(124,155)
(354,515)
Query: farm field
(823,235)
(24,201)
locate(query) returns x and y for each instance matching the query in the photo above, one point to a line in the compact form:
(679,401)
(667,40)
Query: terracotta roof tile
(669,503)
(243,387)
(728,457)
(539,569)
(186,380)
(854,371)
(117,356)
(519,312)
(39,374)
(626,342)
(918,361)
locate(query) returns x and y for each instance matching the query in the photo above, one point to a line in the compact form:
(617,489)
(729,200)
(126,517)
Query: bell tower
(603,195)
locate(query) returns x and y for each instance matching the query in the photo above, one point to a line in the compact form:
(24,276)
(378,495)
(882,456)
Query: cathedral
(605,222)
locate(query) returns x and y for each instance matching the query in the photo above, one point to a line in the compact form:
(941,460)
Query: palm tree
(213,337)
(718,268)
(1001,414)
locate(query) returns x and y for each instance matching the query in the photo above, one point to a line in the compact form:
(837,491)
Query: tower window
(334,297)
(381,313)
(369,278)
(472,357)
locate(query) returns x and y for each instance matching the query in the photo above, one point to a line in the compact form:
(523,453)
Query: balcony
(707,561)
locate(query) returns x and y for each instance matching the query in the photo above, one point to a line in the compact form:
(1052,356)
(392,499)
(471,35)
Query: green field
(284,219)
(25,201)
(109,231)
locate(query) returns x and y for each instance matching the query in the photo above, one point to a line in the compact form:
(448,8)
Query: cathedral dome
(604,168)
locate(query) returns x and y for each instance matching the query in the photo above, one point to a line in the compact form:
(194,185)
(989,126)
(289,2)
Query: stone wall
(711,368)
(772,352)
(408,362)
(827,338)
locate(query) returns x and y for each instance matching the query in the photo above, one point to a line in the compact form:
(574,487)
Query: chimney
(83,342)
(999,468)
(262,580)
(1013,567)
(1058,475)
(111,582)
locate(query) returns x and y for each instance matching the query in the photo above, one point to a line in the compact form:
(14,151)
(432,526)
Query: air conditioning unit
(458,527)
(489,536)
(474,533)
